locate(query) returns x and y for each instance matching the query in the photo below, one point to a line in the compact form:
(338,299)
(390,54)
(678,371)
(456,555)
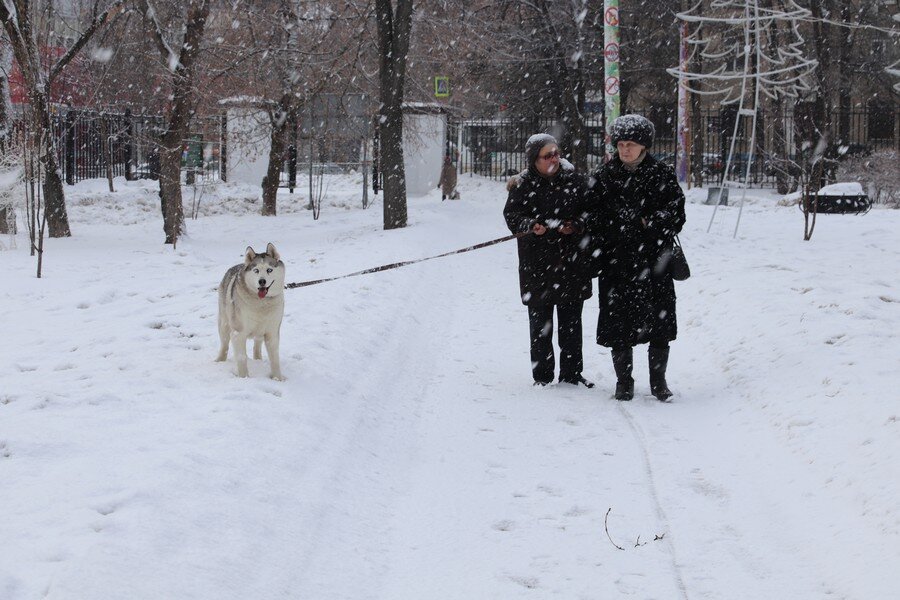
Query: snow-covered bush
(878,174)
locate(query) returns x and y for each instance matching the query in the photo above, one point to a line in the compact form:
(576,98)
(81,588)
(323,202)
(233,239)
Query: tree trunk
(180,113)
(54,197)
(393,172)
(280,123)
(170,187)
(845,69)
(394,30)
(823,105)
(6,120)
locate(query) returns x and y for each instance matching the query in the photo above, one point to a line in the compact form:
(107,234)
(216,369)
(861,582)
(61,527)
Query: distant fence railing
(495,147)
(93,143)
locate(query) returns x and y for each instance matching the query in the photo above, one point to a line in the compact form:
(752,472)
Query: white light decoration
(753,51)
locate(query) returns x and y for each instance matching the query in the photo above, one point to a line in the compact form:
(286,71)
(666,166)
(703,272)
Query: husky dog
(251,305)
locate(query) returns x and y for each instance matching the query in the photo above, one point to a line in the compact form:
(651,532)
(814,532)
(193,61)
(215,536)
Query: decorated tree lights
(750,51)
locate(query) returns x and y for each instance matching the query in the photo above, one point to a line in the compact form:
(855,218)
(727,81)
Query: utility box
(424,144)
(716,192)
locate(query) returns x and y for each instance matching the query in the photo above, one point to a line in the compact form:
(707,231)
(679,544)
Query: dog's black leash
(409,262)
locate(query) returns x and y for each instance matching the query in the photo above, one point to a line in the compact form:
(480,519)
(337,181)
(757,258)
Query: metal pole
(682,155)
(69,137)
(292,152)
(611,62)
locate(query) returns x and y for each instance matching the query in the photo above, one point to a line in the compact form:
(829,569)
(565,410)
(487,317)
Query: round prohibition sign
(611,52)
(612,85)
(612,15)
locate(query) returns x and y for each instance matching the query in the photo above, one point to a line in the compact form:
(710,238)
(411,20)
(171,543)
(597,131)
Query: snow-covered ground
(407,455)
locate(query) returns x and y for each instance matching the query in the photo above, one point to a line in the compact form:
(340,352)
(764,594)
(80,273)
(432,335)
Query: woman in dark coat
(549,202)
(637,207)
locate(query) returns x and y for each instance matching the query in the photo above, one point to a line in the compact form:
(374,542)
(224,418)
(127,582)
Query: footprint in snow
(504,525)
(577,511)
(526,582)
(550,491)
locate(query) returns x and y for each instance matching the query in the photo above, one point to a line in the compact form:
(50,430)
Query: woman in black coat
(637,208)
(549,202)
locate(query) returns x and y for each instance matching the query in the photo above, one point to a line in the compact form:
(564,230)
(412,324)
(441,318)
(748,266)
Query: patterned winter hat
(632,128)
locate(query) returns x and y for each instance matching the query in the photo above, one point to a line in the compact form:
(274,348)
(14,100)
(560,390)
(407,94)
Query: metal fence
(494,147)
(332,133)
(336,139)
(92,144)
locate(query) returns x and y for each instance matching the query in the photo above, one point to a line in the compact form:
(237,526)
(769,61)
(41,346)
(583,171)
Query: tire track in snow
(351,484)
(641,440)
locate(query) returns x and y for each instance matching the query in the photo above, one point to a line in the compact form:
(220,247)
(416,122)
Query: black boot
(659,359)
(577,380)
(622,362)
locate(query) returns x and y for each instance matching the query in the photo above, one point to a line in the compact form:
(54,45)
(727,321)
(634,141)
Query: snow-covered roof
(424,108)
(246,102)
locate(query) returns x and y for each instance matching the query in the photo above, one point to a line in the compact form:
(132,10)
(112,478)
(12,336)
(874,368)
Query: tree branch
(96,23)
(168,55)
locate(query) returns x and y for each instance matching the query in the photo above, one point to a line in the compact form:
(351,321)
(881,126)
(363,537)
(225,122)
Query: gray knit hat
(632,128)
(533,147)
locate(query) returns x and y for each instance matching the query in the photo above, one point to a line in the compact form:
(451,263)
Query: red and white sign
(611,52)
(612,15)
(612,86)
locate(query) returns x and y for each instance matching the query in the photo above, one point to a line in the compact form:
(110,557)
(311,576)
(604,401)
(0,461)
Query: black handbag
(678,265)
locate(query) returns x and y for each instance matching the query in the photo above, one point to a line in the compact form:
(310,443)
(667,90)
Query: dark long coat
(553,268)
(636,292)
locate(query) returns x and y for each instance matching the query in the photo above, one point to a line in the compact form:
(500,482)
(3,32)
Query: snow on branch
(159,37)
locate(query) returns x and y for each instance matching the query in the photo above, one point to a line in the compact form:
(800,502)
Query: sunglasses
(549,155)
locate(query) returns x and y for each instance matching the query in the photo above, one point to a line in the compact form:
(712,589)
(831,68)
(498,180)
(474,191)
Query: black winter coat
(636,292)
(553,268)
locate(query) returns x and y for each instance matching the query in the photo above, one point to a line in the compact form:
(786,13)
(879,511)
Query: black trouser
(661,344)
(540,321)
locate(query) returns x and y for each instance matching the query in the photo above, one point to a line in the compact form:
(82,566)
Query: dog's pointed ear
(271,251)
(249,255)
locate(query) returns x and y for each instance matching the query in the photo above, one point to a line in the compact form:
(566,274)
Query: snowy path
(408,456)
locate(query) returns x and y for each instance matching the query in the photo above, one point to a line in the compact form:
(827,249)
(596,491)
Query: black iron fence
(94,144)
(332,133)
(494,147)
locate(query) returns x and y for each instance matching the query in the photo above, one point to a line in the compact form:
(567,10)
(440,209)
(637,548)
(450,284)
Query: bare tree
(535,59)
(180,59)
(311,48)
(22,22)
